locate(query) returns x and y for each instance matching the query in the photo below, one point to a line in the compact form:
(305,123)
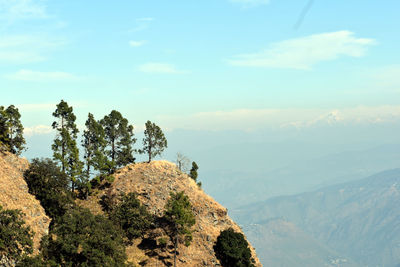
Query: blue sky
(202,65)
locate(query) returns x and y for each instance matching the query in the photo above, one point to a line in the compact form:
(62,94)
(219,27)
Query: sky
(210,65)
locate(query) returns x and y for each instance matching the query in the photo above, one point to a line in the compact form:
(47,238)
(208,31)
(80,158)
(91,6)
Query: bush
(131,216)
(80,238)
(232,249)
(35,261)
(15,237)
(50,186)
(162,242)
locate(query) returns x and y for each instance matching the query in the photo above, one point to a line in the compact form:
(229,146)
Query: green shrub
(35,261)
(131,216)
(15,237)
(232,249)
(80,238)
(110,178)
(162,242)
(50,186)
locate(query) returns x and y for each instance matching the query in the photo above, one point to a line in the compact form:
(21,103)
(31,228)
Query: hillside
(359,219)
(153,183)
(281,243)
(14,195)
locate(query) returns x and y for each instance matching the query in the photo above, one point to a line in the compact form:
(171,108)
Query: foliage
(179,214)
(119,138)
(232,249)
(162,242)
(131,216)
(154,141)
(50,186)
(94,144)
(193,171)
(35,261)
(11,130)
(64,147)
(15,237)
(80,238)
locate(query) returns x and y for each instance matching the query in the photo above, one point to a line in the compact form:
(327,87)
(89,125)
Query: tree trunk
(175,247)
(149,152)
(62,146)
(113,150)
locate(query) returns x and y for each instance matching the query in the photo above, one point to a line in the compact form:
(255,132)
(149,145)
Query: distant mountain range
(280,243)
(235,188)
(358,220)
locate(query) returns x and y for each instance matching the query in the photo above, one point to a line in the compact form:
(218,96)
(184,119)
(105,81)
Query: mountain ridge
(359,219)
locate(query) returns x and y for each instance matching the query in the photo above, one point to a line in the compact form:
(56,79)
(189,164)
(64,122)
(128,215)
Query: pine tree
(94,144)
(193,171)
(154,141)
(64,147)
(11,130)
(4,141)
(180,216)
(119,137)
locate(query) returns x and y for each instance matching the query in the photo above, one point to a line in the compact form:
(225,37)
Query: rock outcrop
(14,195)
(153,182)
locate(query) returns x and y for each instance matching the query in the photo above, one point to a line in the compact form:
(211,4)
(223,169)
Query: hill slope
(14,195)
(281,243)
(153,182)
(360,219)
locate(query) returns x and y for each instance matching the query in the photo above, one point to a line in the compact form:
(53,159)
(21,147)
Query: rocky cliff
(14,195)
(153,182)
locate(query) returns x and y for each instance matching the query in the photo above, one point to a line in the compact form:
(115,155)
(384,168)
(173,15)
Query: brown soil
(14,195)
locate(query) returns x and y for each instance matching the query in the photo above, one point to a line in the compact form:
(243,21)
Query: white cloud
(250,3)
(13,10)
(20,49)
(38,76)
(137,43)
(254,119)
(161,68)
(38,130)
(303,53)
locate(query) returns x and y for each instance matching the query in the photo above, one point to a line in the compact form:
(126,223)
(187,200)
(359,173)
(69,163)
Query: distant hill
(281,243)
(359,219)
(236,188)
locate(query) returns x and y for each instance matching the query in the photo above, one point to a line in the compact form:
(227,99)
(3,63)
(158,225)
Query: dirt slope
(14,195)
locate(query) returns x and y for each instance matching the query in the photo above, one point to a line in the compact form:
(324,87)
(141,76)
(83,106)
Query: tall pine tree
(154,141)
(179,215)
(65,148)
(11,130)
(94,144)
(3,129)
(119,137)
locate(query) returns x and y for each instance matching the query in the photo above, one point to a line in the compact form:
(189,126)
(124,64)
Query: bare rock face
(14,195)
(153,182)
